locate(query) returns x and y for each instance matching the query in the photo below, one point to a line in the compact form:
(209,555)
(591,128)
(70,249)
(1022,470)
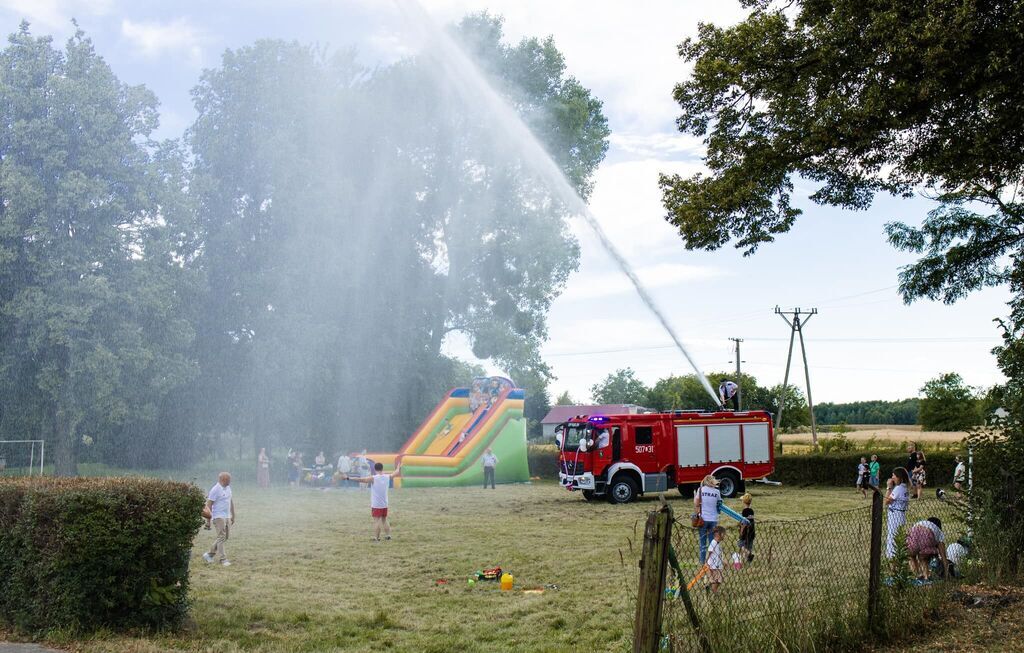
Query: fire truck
(620,457)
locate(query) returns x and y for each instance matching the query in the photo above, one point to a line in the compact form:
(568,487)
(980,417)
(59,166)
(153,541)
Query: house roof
(559,414)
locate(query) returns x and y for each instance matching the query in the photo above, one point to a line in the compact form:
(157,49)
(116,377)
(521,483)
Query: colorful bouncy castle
(446,448)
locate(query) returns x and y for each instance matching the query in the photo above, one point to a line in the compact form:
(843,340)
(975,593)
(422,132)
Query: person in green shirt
(873,470)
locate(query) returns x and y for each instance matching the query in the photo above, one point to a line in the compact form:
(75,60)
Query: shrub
(841,469)
(87,553)
(837,443)
(543,460)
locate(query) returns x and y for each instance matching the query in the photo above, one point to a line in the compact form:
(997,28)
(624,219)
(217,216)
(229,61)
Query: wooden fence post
(875,565)
(651,593)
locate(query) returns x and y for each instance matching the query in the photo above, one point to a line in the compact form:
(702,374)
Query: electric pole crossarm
(796,326)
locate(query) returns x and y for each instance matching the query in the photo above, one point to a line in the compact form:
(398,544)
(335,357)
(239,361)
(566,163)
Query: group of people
(219,510)
(320,474)
(707,505)
(925,539)
(916,467)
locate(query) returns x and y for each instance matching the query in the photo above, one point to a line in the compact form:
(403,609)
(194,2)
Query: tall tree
(949,404)
(502,247)
(90,252)
(860,97)
(565,399)
(348,231)
(620,387)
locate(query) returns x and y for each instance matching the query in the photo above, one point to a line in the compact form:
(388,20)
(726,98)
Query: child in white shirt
(715,559)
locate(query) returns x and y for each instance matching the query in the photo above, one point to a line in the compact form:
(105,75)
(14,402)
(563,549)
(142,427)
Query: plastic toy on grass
(732,513)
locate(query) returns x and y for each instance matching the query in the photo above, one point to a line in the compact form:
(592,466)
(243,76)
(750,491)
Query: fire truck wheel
(727,484)
(622,490)
(588,495)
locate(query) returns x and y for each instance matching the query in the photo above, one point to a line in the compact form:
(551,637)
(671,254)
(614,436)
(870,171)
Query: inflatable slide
(446,448)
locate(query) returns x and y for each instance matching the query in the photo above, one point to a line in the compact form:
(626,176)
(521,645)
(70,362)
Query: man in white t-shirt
(222,512)
(490,462)
(379,483)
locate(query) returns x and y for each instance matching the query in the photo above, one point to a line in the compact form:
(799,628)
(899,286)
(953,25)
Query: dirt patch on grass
(980,619)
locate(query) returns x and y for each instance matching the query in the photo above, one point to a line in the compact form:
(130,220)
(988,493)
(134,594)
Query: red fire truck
(623,456)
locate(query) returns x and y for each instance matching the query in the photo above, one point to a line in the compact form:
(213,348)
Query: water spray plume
(474,89)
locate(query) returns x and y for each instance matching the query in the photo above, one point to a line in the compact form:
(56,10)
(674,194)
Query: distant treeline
(903,411)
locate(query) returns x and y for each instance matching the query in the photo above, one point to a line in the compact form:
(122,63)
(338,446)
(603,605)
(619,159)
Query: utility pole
(739,386)
(796,325)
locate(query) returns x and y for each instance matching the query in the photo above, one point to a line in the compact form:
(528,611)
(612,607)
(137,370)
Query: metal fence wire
(796,582)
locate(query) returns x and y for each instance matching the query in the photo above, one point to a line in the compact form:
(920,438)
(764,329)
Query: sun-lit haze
(864,344)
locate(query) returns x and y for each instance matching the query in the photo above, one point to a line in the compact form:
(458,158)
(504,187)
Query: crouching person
(924,540)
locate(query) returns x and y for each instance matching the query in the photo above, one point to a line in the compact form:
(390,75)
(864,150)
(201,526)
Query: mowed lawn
(306,576)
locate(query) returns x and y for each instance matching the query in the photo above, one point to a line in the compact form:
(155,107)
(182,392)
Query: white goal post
(14,458)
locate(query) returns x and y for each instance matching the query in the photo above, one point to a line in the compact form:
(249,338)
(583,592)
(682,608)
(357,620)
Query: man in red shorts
(924,540)
(379,483)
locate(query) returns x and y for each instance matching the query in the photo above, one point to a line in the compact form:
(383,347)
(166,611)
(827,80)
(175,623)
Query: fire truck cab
(620,457)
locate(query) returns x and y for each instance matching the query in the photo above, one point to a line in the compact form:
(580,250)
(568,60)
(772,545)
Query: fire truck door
(642,450)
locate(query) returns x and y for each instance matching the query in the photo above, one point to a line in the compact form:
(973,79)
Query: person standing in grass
(897,500)
(706,502)
(862,477)
(715,559)
(263,468)
(917,475)
(222,512)
(959,474)
(874,470)
(490,462)
(379,483)
(747,531)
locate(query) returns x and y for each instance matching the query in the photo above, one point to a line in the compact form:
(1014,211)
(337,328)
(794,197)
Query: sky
(864,343)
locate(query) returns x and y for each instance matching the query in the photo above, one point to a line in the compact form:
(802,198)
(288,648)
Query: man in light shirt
(727,393)
(222,512)
(379,483)
(490,461)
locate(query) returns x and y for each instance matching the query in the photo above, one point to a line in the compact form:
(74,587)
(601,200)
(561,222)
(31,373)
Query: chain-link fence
(802,584)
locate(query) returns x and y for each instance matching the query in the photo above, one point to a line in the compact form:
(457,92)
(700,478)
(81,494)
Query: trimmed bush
(841,469)
(838,469)
(543,460)
(86,553)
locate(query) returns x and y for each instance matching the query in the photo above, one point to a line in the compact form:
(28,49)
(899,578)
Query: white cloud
(55,15)
(662,275)
(154,39)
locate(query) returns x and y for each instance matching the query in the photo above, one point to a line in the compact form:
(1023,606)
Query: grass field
(306,576)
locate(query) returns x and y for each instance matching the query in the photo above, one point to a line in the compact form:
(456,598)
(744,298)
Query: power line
(922,340)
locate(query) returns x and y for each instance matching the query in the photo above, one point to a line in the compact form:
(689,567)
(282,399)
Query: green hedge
(841,469)
(543,460)
(796,469)
(87,553)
